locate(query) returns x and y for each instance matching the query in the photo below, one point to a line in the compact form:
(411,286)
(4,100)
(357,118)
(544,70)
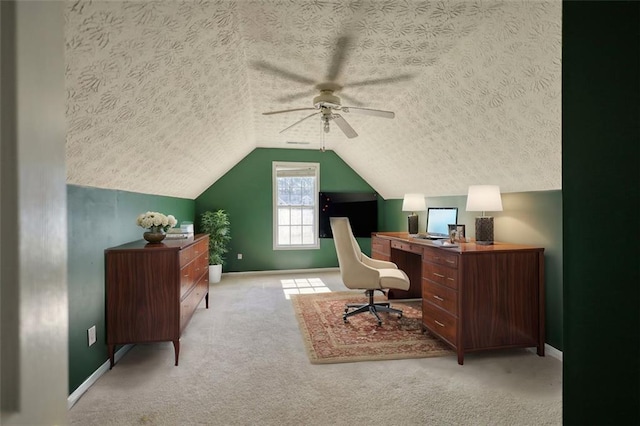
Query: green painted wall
(245,192)
(527,218)
(601,187)
(99,219)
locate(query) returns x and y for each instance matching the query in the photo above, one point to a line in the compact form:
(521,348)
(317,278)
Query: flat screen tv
(439,218)
(360,207)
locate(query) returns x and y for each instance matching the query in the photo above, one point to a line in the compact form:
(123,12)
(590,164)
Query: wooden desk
(474,297)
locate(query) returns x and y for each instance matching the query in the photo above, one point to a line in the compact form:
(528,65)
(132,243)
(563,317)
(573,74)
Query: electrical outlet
(91,335)
(239,256)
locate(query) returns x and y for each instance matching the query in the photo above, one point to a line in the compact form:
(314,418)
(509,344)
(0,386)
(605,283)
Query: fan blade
(296,96)
(298,122)
(344,126)
(384,80)
(287,110)
(339,56)
(369,111)
(281,72)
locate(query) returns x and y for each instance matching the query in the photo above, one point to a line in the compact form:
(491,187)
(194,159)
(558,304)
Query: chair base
(372,307)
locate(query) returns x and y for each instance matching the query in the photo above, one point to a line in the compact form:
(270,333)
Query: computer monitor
(439,218)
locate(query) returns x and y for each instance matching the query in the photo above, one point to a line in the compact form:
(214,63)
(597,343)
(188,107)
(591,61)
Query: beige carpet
(243,362)
(329,340)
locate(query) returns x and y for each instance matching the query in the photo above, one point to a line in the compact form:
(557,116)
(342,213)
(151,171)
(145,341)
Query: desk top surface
(470,247)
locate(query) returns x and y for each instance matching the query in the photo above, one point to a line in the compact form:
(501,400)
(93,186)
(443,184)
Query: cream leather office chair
(358,271)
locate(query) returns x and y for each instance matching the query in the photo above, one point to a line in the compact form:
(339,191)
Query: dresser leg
(460,357)
(541,350)
(206,300)
(176,349)
(111,351)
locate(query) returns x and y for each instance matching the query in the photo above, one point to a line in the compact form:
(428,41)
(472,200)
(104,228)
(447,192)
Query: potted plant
(216,224)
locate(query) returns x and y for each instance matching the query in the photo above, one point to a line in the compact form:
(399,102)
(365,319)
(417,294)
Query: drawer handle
(450,279)
(439,323)
(435,296)
(438,275)
(450,261)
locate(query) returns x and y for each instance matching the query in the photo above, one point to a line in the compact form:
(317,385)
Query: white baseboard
(283,271)
(75,396)
(550,350)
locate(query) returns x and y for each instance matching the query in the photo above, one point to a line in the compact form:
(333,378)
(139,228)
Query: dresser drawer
(413,248)
(440,257)
(440,322)
(187,278)
(186,255)
(440,296)
(201,247)
(201,265)
(440,274)
(189,304)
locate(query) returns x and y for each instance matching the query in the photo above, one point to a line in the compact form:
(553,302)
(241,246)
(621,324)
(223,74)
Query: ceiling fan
(327,105)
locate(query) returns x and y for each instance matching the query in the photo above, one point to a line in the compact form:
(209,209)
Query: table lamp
(413,203)
(482,198)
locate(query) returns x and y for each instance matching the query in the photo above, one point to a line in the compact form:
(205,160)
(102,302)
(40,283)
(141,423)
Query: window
(295,205)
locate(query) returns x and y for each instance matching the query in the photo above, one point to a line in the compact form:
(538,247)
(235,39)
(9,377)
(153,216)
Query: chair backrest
(355,274)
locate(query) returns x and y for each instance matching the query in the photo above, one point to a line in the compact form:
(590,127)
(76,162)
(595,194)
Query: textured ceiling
(165,97)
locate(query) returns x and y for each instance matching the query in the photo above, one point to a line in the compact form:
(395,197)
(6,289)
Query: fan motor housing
(326,98)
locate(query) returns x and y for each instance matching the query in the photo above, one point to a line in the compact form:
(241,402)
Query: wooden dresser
(477,297)
(154,289)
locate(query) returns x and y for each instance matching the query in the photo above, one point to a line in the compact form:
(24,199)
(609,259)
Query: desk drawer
(440,257)
(413,248)
(440,274)
(440,322)
(440,296)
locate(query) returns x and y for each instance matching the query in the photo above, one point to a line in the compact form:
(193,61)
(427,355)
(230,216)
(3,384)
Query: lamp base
(412,224)
(484,230)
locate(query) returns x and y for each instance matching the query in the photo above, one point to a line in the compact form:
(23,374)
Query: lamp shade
(484,198)
(414,203)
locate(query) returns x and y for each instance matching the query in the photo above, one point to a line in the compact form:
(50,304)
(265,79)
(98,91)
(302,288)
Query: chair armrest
(378,264)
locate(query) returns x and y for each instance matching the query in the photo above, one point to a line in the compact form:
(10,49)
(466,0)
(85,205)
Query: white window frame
(313,170)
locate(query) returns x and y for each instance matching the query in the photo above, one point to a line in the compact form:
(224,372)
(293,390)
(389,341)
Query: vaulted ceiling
(164,97)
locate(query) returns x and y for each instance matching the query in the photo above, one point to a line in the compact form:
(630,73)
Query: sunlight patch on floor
(303,286)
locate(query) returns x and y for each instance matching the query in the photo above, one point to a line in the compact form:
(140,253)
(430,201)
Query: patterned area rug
(329,340)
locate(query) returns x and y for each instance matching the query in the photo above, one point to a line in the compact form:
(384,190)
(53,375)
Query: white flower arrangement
(156,220)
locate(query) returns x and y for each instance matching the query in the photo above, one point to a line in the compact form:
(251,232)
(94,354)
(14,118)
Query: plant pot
(215,273)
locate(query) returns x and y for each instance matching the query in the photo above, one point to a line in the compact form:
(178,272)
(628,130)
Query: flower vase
(155,234)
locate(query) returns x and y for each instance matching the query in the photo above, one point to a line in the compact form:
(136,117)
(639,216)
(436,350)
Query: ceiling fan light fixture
(325,125)
(326,98)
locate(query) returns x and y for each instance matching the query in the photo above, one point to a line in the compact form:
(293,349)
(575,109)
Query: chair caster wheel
(399,316)
(379,323)
(344,318)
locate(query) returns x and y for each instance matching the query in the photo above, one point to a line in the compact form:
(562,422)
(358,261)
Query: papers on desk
(445,243)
